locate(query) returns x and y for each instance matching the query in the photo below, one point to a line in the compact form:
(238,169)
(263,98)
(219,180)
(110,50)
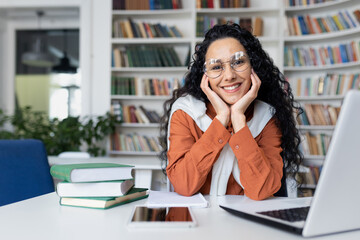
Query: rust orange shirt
(192,154)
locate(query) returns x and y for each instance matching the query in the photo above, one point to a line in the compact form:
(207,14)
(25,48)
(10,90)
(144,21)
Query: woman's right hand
(221,108)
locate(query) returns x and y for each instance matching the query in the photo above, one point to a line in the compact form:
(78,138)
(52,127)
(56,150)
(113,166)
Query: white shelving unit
(273,12)
(185,20)
(315,40)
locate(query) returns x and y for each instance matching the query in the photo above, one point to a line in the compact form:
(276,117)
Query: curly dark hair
(274,90)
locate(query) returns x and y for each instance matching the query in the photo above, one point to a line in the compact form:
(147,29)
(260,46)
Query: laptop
(335,206)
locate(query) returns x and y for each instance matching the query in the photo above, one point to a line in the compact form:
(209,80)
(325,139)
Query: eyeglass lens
(214,67)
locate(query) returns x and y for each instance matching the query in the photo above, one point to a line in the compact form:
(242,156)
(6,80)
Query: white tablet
(143,216)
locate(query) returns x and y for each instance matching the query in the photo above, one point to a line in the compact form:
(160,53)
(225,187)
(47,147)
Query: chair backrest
(24,170)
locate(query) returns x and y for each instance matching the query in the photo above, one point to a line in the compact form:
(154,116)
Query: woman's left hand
(238,109)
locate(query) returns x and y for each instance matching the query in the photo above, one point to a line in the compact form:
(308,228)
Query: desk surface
(43,218)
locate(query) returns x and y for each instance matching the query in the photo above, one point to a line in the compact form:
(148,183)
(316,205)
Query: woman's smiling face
(232,84)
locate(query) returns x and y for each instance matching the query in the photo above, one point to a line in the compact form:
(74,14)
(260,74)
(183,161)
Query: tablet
(143,216)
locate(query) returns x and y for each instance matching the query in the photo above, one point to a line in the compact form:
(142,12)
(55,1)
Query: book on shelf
(133,114)
(319,114)
(134,143)
(146,4)
(253,24)
(123,85)
(258,26)
(94,189)
(310,175)
(325,55)
(315,144)
(216,4)
(293,3)
(357,15)
(91,172)
(127,28)
(105,202)
(146,56)
(117,110)
(307,24)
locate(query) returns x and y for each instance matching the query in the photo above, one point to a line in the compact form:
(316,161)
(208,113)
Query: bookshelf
(275,37)
(185,20)
(307,79)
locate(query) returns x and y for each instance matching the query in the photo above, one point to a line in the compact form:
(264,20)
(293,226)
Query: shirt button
(221,141)
(237,147)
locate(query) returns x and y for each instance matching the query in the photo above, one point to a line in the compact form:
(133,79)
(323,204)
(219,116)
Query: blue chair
(24,170)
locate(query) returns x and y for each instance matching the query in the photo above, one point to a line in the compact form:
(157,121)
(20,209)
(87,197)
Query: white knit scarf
(227,162)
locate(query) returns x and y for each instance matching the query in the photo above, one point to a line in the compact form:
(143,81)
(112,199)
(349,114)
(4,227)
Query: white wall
(2,32)
(101,62)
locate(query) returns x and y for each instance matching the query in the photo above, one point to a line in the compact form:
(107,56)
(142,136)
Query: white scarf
(227,162)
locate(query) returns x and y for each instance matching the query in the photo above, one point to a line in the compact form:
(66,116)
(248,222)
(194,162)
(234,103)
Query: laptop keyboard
(290,214)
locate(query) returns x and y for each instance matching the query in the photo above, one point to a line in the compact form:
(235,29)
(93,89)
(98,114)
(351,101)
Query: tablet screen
(169,216)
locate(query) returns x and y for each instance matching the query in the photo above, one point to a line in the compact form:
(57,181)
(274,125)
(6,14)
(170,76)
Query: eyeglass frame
(222,66)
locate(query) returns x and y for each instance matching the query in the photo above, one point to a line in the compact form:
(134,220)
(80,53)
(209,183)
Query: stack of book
(96,185)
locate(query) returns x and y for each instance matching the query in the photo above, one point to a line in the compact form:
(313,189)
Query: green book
(91,172)
(94,189)
(105,202)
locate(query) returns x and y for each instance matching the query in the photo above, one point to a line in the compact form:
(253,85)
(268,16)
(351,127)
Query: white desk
(143,167)
(44,219)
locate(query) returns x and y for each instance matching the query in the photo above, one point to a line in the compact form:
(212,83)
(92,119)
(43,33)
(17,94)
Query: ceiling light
(64,66)
(37,58)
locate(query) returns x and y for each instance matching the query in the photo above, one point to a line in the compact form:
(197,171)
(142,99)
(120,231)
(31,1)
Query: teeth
(232,87)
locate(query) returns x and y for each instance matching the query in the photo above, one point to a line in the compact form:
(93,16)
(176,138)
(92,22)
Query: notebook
(335,206)
(173,199)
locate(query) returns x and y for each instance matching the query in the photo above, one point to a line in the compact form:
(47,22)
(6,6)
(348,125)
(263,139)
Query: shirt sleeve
(259,160)
(190,157)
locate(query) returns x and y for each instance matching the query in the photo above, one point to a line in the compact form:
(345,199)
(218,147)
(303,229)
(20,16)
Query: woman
(230,129)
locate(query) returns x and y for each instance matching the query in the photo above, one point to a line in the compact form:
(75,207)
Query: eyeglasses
(239,62)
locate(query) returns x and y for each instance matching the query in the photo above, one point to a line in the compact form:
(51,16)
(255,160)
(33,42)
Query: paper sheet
(172,199)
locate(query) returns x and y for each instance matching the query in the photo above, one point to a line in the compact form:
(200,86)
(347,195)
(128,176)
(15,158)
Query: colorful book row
(134,143)
(145,87)
(145,56)
(146,4)
(130,29)
(325,84)
(203,23)
(315,144)
(310,176)
(159,87)
(132,114)
(293,3)
(306,24)
(222,3)
(318,114)
(309,56)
